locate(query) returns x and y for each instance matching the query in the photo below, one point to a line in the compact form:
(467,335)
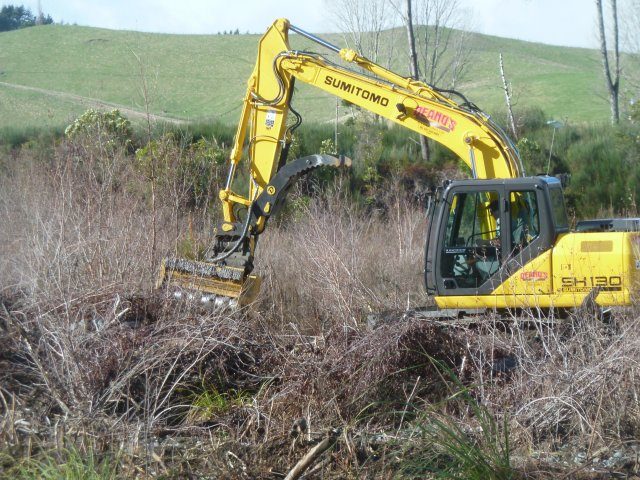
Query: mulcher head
(226,279)
(209,283)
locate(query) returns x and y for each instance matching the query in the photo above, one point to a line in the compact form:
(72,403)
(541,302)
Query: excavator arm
(265,134)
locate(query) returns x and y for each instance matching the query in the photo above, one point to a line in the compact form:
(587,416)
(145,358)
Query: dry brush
(91,358)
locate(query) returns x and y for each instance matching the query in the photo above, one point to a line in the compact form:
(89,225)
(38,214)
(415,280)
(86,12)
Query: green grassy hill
(50,74)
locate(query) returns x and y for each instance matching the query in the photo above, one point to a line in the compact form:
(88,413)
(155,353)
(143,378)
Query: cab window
(558,209)
(525,219)
(473,217)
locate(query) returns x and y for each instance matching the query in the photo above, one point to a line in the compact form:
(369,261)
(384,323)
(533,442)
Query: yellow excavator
(499,241)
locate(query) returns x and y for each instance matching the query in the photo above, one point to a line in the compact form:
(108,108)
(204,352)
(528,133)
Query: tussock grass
(69,464)
(475,447)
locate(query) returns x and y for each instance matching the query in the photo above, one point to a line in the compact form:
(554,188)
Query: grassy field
(202,77)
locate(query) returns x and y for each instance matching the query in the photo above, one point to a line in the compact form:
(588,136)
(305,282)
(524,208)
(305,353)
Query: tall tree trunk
(415,73)
(507,96)
(612,80)
(413,57)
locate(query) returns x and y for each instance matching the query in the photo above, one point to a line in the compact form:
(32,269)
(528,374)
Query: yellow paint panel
(613,269)
(534,278)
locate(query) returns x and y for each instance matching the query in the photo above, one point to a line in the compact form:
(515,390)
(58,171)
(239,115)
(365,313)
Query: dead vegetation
(94,364)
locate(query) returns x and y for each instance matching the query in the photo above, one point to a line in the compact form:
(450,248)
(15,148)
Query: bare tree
(612,78)
(411,40)
(415,71)
(438,55)
(367,27)
(406,14)
(363,22)
(443,41)
(437,19)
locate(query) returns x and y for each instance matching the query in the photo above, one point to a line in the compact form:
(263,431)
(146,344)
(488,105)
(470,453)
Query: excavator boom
(263,132)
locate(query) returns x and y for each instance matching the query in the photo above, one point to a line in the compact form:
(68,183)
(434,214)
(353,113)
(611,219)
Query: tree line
(13,17)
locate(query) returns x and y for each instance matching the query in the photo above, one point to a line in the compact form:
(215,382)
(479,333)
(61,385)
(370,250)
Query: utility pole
(40,16)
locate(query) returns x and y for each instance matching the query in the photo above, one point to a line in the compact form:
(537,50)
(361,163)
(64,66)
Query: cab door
(472,240)
(528,241)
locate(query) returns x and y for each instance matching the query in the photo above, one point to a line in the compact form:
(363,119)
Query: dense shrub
(591,154)
(96,123)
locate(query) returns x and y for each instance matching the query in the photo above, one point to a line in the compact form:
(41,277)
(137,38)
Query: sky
(558,22)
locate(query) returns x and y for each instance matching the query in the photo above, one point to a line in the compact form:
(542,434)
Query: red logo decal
(436,119)
(533,276)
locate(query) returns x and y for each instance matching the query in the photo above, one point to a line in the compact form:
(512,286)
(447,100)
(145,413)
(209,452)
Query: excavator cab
(481,231)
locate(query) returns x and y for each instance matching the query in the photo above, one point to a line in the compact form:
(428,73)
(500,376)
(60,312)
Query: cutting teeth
(214,284)
(210,301)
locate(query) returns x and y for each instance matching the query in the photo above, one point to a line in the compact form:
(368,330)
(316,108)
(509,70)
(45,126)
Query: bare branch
(507,95)
(312,455)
